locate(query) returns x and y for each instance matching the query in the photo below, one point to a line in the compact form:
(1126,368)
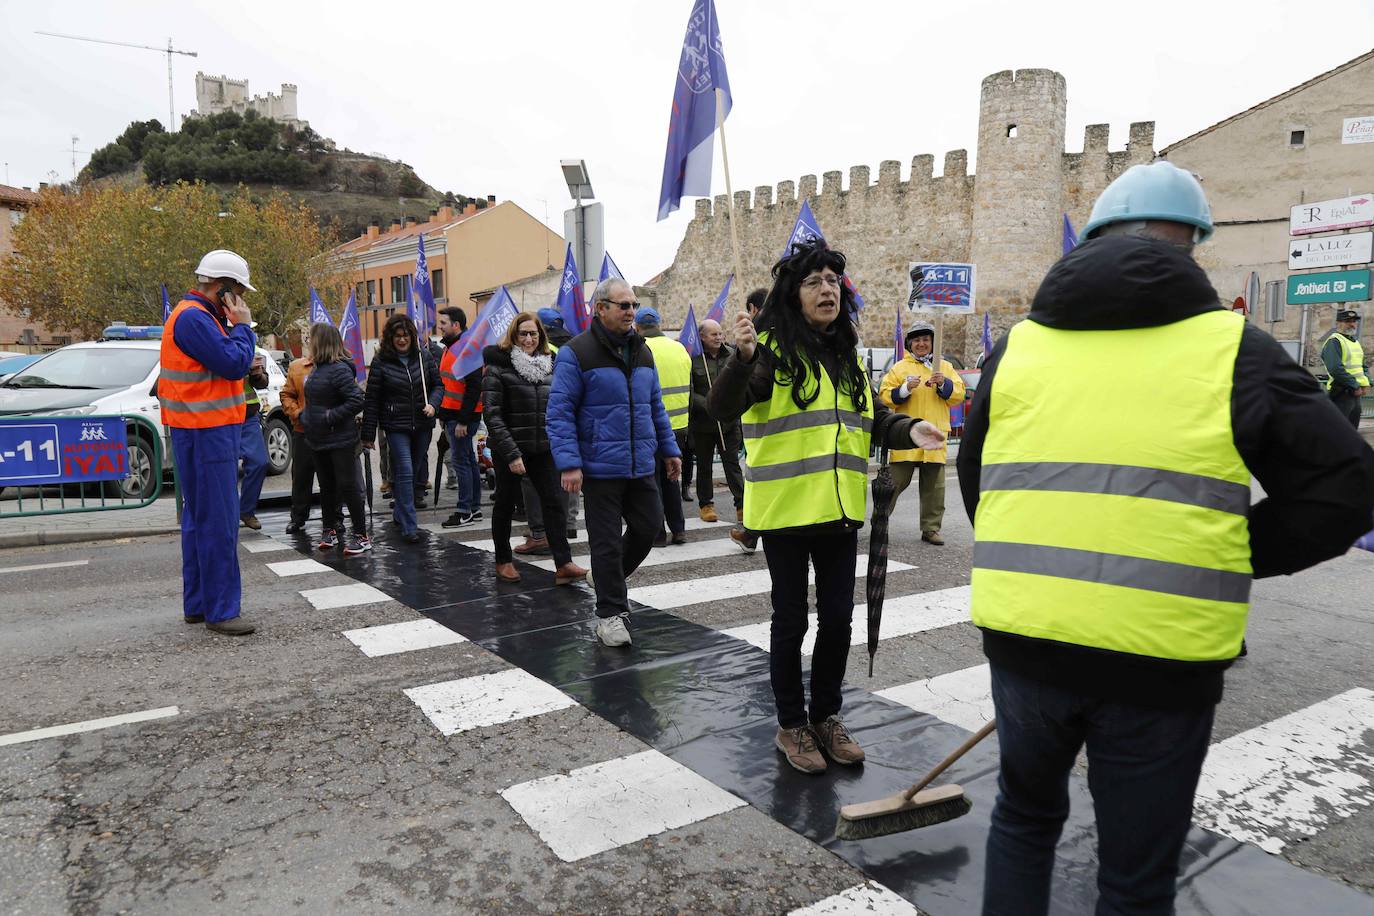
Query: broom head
(896,814)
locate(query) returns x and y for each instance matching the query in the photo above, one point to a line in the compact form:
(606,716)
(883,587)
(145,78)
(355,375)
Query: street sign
(1358,130)
(1326,215)
(941,285)
(1331,250)
(1330,286)
(62,450)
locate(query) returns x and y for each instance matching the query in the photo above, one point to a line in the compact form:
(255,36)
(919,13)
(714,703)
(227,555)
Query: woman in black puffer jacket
(330,421)
(515,395)
(403,392)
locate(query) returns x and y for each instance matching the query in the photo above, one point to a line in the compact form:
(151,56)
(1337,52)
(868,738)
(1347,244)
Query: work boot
(744,540)
(533,545)
(661,539)
(679,538)
(506,572)
(708,513)
(250,521)
(798,745)
(234,626)
(932,537)
(837,743)
(568,573)
(613,632)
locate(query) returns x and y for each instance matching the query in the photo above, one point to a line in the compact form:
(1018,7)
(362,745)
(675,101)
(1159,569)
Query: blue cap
(647,316)
(550,318)
(1158,191)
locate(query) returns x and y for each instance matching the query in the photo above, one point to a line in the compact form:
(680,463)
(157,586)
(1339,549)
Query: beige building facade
(19,332)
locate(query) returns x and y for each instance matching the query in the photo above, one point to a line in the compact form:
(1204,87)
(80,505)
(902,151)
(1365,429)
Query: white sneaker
(613,632)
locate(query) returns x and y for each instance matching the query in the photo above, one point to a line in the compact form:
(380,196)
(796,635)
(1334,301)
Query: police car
(117,375)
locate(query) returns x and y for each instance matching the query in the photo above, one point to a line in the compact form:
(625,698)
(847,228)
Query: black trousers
(338,470)
(302,477)
(636,502)
(834,557)
(1348,405)
(540,471)
(707,442)
(671,490)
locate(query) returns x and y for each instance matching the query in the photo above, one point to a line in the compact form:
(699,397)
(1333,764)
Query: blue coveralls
(207,469)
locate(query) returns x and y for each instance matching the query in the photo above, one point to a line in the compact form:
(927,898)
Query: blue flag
(987,335)
(690,335)
(806,231)
(717,310)
(318,313)
(166,305)
(1070,237)
(898,344)
(491,325)
(352,333)
(610,269)
(421,306)
(692,121)
(570,300)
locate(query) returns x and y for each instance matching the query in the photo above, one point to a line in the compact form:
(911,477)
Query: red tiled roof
(429,229)
(18,195)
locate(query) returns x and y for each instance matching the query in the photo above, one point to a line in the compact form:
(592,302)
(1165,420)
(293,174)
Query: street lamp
(579,184)
(587,240)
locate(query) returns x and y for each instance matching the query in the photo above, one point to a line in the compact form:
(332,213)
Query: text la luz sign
(1331,250)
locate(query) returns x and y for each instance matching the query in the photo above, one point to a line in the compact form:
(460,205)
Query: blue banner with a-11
(36,451)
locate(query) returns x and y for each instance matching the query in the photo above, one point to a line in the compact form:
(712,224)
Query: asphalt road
(297,774)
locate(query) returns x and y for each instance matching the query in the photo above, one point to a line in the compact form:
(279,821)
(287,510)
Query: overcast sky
(485,98)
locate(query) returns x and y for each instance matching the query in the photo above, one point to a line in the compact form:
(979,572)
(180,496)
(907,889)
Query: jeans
(636,500)
(302,477)
(409,467)
(834,557)
(1143,767)
(462,448)
(723,440)
(338,470)
(930,486)
(670,491)
(541,473)
(253,451)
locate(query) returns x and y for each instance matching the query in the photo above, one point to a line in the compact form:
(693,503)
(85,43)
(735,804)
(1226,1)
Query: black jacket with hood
(1317,474)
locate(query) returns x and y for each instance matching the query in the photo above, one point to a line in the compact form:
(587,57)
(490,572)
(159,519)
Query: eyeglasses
(816,282)
(623,306)
(534,334)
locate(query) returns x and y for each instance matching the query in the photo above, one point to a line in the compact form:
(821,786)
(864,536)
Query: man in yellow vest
(1115,540)
(917,387)
(674,368)
(1347,376)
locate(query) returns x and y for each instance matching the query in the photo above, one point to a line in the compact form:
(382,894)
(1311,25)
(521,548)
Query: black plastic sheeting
(703,699)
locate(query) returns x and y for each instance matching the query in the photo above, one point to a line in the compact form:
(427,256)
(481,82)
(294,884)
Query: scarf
(533,369)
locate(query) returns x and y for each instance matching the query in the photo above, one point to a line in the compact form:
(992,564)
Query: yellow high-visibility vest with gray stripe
(1114,514)
(674,368)
(1352,357)
(805,467)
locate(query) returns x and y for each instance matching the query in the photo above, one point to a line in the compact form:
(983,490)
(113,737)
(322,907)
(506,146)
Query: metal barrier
(140,488)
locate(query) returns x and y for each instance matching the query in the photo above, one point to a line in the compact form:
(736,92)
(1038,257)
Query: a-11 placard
(37,451)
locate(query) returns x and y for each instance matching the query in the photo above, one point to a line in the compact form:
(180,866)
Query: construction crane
(169,51)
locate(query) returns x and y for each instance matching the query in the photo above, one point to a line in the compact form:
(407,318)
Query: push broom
(916,807)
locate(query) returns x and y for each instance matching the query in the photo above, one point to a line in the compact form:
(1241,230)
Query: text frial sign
(1326,215)
(1331,250)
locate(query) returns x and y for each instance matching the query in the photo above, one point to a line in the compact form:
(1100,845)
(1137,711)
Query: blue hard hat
(1158,191)
(550,317)
(647,316)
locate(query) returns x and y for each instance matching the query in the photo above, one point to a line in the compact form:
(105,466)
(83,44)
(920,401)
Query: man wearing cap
(208,347)
(552,320)
(1115,537)
(1347,376)
(916,386)
(674,368)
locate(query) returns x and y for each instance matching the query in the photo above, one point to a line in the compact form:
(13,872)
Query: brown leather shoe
(533,545)
(798,745)
(836,742)
(506,572)
(932,537)
(708,514)
(568,573)
(234,626)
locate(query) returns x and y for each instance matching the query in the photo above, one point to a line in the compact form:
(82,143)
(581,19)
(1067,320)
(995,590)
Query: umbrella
(367,483)
(439,466)
(883,492)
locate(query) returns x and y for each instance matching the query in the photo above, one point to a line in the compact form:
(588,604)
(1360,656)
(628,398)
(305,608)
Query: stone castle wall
(215,94)
(1007,221)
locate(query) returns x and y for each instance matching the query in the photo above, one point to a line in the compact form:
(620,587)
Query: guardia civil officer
(1115,539)
(207,349)
(1347,377)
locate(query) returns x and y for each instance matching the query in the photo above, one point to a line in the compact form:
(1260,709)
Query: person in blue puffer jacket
(608,428)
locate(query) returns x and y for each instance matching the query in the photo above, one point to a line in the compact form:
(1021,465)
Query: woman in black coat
(330,421)
(515,396)
(403,392)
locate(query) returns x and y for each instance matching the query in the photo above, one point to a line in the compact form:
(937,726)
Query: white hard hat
(224,263)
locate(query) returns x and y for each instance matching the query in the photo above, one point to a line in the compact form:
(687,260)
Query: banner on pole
(352,334)
(692,121)
(489,328)
(805,232)
(690,335)
(318,313)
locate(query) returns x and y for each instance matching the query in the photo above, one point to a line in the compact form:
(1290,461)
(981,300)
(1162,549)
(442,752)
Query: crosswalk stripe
(671,595)
(963,698)
(901,617)
(692,524)
(336,596)
(682,553)
(1287,779)
(408,636)
(606,805)
(487,699)
(298,567)
(870,898)
(264,545)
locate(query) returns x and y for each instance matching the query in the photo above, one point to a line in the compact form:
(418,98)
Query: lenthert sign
(1332,286)
(1326,215)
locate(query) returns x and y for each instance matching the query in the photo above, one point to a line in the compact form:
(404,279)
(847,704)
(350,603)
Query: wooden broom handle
(950,760)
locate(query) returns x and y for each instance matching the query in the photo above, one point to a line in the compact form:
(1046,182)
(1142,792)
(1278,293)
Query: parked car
(118,375)
(11,363)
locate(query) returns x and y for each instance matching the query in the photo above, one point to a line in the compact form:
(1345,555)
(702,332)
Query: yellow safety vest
(1114,514)
(805,467)
(674,368)
(1352,357)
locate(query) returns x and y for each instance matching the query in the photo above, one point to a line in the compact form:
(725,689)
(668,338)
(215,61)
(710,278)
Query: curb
(44,538)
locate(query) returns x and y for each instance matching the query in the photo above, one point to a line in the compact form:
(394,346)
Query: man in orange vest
(460,411)
(207,348)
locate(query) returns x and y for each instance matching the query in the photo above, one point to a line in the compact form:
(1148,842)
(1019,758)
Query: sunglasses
(623,306)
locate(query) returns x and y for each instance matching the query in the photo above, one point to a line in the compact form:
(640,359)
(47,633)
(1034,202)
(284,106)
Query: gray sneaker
(613,632)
